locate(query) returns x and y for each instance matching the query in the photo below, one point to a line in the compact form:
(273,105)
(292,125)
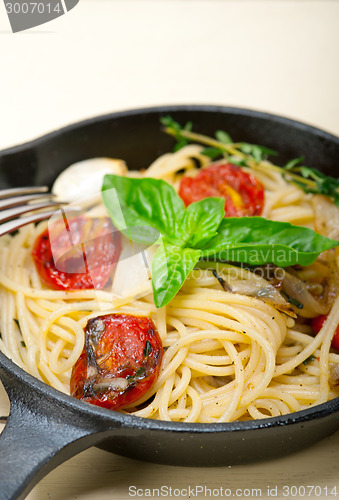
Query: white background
(107,55)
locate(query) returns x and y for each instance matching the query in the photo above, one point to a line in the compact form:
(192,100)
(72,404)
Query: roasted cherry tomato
(80,254)
(317,324)
(243,193)
(120,361)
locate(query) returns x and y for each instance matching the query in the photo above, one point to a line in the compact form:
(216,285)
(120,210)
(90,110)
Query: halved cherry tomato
(120,361)
(80,254)
(243,193)
(317,324)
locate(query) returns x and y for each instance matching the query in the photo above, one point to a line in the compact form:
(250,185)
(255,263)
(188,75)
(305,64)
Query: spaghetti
(228,354)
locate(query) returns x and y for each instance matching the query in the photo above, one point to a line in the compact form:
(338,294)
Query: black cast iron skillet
(46,427)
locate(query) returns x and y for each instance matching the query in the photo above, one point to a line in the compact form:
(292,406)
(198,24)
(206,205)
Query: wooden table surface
(269,55)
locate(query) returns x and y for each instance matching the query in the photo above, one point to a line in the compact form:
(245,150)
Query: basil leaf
(212,153)
(144,202)
(170,267)
(316,181)
(200,222)
(181,143)
(324,184)
(256,241)
(169,123)
(259,153)
(223,137)
(293,163)
(237,161)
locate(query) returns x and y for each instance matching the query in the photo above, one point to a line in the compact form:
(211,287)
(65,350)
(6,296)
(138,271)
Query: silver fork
(16,202)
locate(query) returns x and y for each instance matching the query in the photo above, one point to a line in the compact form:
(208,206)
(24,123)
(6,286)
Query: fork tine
(12,213)
(13,225)
(18,191)
(15,202)
(21,200)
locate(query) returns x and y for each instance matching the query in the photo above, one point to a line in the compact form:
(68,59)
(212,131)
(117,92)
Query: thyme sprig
(243,154)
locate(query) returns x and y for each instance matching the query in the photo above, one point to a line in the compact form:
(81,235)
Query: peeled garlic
(84,178)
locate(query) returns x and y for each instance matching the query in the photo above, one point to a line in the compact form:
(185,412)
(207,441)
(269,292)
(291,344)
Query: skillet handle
(40,434)
(30,447)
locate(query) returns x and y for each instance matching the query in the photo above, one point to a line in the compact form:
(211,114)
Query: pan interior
(136,137)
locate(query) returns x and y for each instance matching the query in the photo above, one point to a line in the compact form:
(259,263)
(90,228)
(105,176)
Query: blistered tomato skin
(317,324)
(120,361)
(243,193)
(87,251)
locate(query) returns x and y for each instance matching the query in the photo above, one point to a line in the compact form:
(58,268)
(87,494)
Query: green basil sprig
(311,180)
(151,210)
(243,154)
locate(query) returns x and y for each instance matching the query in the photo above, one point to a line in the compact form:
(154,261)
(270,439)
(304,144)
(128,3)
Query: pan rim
(129,421)
(172,108)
